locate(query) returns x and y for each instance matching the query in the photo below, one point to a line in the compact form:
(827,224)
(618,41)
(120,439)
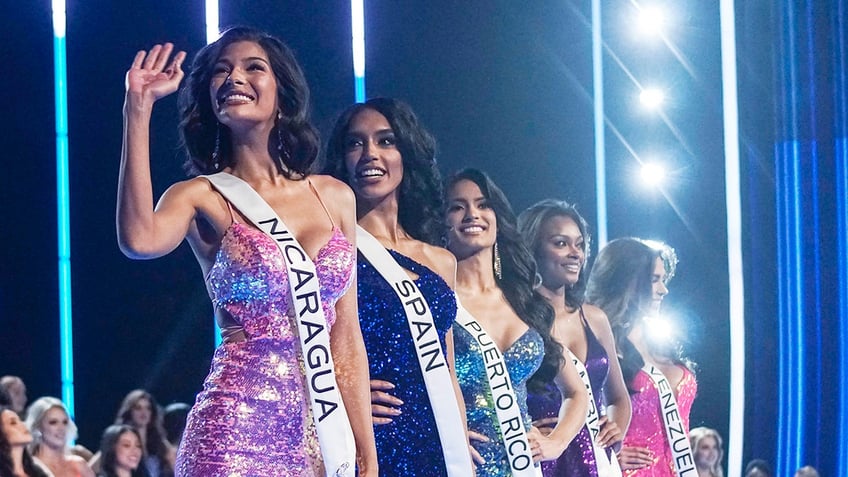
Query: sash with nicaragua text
(335,436)
(607,465)
(510,421)
(431,359)
(678,439)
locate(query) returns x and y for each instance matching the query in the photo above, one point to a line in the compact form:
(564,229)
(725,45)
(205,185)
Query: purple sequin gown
(253,416)
(578,460)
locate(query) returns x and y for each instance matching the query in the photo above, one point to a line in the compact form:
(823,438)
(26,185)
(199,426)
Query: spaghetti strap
(232,214)
(315,191)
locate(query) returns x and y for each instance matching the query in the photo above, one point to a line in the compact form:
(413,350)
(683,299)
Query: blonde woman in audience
(708,450)
(52,431)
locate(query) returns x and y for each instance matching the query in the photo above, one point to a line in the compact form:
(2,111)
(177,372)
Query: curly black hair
(530,223)
(420,194)
(199,127)
(518,271)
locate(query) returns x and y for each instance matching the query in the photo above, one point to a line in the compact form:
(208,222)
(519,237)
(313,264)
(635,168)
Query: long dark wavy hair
(199,127)
(518,271)
(7,466)
(530,223)
(108,446)
(420,192)
(621,285)
(155,433)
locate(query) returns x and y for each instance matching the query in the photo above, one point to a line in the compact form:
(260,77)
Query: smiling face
(372,159)
(472,223)
(706,453)
(14,429)
(128,451)
(561,252)
(243,88)
(658,289)
(54,428)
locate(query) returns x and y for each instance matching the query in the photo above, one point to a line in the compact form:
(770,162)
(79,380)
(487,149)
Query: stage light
(651,21)
(60,88)
(653,174)
(212,30)
(658,329)
(651,98)
(357,20)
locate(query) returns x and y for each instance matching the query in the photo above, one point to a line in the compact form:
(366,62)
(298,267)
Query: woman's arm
(143,232)
(572,415)
(614,424)
(349,354)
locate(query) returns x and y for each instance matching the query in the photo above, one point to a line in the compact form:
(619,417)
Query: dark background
(504,86)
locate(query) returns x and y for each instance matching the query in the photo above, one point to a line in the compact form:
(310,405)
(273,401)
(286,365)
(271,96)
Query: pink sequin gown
(252,417)
(646,425)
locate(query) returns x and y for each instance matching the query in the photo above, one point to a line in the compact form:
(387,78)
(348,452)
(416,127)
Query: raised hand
(149,78)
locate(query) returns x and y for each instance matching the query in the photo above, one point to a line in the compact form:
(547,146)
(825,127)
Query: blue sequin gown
(522,359)
(578,460)
(408,446)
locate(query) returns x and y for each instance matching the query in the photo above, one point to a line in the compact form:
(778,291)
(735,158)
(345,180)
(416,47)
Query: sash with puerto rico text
(607,464)
(335,435)
(510,421)
(431,359)
(678,438)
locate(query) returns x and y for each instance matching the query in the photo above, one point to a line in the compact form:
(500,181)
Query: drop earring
(497,263)
(215,164)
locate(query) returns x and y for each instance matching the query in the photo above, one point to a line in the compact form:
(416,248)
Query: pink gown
(252,417)
(646,426)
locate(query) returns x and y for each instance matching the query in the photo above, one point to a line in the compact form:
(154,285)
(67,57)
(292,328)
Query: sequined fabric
(408,446)
(252,417)
(578,460)
(522,359)
(646,426)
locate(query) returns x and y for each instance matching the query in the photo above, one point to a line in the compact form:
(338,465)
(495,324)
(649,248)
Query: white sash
(607,465)
(431,359)
(678,439)
(510,421)
(328,411)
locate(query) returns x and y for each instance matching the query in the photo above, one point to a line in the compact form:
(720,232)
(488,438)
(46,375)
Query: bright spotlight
(658,329)
(653,174)
(651,21)
(651,98)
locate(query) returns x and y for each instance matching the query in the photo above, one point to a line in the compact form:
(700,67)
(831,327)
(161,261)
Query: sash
(678,439)
(431,359)
(511,424)
(607,465)
(335,436)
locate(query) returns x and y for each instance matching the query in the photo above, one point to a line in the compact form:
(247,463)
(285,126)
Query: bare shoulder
(196,191)
(596,317)
(332,187)
(441,261)
(600,324)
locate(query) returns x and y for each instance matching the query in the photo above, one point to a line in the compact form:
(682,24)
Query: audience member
(16,389)
(708,451)
(52,432)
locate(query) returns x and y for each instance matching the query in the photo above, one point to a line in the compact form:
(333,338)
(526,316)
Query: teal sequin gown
(522,359)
